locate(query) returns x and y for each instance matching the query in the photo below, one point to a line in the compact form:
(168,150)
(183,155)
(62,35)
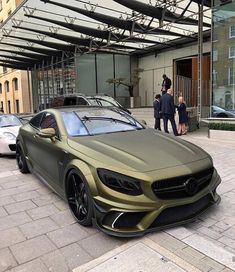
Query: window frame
(230,31)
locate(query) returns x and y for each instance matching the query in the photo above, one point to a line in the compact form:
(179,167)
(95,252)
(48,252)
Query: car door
(50,154)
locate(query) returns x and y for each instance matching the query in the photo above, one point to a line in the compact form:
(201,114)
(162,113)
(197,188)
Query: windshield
(9,121)
(98,122)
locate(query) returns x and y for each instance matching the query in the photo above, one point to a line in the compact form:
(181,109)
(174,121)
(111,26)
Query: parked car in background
(116,173)
(9,127)
(83,100)
(222,113)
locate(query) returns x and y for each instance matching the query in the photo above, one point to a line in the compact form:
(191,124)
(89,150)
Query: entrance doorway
(186,82)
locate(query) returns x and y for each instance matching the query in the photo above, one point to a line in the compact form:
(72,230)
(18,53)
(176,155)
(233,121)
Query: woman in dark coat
(183,117)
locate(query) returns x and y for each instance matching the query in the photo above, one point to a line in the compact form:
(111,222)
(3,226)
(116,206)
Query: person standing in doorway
(166,84)
(183,117)
(157,113)
(167,109)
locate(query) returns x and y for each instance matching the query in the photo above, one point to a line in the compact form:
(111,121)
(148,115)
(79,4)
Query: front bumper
(129,222)
(7,147)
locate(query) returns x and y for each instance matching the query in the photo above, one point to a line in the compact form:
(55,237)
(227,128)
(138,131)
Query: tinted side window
(70,101)
(48,121)
(81,101)
(36,120)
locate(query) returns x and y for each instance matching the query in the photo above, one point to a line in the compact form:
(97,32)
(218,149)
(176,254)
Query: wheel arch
(84,172)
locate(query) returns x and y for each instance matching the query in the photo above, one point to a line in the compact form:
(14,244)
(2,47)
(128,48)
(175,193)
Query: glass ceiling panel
(100,24)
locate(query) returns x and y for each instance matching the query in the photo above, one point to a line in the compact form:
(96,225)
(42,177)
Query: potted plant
(129,85)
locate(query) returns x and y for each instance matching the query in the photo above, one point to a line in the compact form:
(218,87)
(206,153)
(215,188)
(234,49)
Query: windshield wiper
(87,118)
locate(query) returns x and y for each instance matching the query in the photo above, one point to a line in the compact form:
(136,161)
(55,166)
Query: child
(183,117)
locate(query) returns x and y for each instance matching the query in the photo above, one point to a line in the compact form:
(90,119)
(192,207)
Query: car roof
(80,108)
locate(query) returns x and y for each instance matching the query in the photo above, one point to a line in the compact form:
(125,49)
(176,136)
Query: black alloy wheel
(21,161)
(79,198)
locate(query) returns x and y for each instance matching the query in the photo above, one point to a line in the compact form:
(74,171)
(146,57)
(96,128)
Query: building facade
(14,84)
(223,68)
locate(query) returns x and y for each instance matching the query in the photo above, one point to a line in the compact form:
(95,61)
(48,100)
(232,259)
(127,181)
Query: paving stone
(75,255)
(31,249)
(6,200)
(7,260)
(68,235)
(55,262)
(228,241)
(179,232)
(41,212)
(42,200)
(230,232)
(12,184)
(8,179)
(38,227)
(215,265)
(44,190)
(10,237)
(167,241)
(33,266)
(194,253)
(211,250)
(5,174)
(21,196)
(213,234)
(63,218)
(61,205)
(13,220)
(102,244)
(2,212)
(20,206)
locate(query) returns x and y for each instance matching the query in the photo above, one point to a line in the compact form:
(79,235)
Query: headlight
(8,136)
(120,183)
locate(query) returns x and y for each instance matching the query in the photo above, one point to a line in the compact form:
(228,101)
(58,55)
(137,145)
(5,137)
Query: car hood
(143,150)
(13,130)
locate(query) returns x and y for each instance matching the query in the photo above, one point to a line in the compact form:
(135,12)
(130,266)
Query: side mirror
(47,133)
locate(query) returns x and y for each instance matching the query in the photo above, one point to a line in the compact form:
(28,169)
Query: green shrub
(222,126)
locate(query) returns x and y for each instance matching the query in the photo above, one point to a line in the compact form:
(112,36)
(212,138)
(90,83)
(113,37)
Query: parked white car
(9,127)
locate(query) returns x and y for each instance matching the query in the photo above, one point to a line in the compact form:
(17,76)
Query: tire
(79,198)
(222,115)
(21,161)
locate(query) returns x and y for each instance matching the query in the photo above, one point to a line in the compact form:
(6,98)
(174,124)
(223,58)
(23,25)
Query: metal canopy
(38,30)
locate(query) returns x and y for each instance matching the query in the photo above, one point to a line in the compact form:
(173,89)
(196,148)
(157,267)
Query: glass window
(215,55)
(232,52)
(6,85)
(15,84)
(0,88)
(73,124)
(86,73)
(36,120)
(48,121)
(17,106)
(232,31)
(9,121)
(105,71)
(9,106)
(231,76)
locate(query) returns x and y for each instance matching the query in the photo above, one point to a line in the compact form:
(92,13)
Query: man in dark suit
(157,114)
(167,108)
(166,84)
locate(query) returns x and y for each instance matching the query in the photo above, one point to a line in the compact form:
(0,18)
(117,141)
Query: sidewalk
(38,233)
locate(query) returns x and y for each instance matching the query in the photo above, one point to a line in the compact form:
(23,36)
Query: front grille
(184,186)
(12,147)
(183,212)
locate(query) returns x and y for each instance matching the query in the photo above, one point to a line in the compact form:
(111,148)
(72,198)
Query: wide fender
(85,173)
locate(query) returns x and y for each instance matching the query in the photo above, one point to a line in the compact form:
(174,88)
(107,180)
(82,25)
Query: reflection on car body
(222,113)
(114,172)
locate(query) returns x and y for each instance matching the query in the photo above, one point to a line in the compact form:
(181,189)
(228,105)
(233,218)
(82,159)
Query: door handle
(35,136)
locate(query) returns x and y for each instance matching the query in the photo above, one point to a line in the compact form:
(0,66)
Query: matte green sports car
(116,173)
